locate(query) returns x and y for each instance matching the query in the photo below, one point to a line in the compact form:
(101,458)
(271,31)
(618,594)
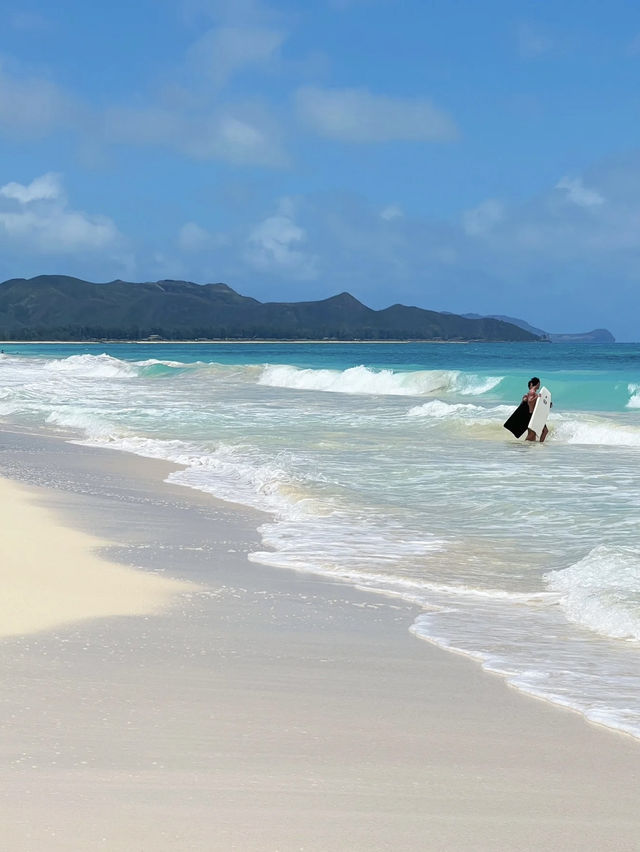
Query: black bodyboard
(519,420)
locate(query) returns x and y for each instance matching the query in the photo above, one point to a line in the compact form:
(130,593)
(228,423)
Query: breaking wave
(634,399)
(92,366)
(596,432)
(363,380)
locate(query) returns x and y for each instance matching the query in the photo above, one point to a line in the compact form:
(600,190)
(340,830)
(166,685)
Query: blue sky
(460,156)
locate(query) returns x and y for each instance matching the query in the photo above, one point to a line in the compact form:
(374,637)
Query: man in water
(531,397)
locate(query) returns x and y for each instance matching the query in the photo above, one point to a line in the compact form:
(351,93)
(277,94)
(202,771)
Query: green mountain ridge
(59,307)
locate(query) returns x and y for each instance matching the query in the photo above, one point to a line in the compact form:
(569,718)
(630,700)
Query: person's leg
(531,435)
(544,434)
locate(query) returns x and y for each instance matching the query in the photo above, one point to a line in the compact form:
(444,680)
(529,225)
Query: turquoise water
(387,466)
(587,377)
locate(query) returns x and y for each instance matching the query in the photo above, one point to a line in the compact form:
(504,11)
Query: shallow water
(387,465)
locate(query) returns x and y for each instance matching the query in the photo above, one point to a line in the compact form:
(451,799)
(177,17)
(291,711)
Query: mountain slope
(59,307)
(598,335)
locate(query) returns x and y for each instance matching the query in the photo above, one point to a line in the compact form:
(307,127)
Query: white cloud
(570,227)
(244,134)
(541,254)
(36,217)
(578,193)
(58,231)
(188,116)
(236,136)
(187,119)
(193,238)
(482,218)
(551,226)
(275,243)
(224,51)
(32,106)
(357,115)
(48,186)
(392,211)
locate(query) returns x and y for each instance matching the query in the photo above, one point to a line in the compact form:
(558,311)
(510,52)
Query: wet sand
(266,709)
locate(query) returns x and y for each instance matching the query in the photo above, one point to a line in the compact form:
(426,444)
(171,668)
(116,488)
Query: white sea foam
(602,591)
(634,399)
(363,380)
(155,362)
(297,537)
(360,549)
(439,409)
(236,475)
(7,408)
(92,366)
(355,491)
(595,432)
(231,474)
(91,422)
(550,663)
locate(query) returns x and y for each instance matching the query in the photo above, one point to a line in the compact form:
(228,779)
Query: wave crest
(634,399)
(92,366)
(363,380)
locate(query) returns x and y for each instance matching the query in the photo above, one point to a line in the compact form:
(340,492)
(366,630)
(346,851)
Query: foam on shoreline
(275,711)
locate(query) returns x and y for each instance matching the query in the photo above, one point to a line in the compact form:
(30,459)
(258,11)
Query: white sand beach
(263,710)
(51,576)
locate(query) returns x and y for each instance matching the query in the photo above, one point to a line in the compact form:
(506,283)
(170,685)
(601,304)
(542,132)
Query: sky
(450,154)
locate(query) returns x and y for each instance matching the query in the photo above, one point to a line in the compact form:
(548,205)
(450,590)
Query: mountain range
(598,335)
(58,307)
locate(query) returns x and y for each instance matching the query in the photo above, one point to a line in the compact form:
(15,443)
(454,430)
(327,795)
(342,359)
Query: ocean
(387,466)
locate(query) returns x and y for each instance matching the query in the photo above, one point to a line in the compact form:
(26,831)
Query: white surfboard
(540,412)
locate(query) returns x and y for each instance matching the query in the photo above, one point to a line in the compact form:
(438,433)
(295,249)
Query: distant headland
(62,308)
(598,335)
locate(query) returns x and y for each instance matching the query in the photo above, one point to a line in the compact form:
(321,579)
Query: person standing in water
(531,397)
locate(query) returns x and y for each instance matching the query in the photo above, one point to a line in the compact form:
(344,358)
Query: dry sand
(50,574)
(272,710)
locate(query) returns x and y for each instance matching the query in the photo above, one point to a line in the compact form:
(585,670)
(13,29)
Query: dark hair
(534,381)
